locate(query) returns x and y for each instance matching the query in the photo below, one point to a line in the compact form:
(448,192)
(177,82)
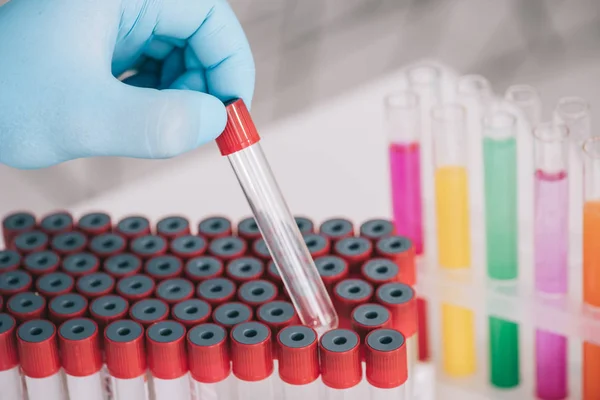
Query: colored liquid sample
(591,253)
(423,329)
(458,340)
(500,162)
(452,208)
(551,365)
(591,371)
(405,166)
(504,353)
(551,232)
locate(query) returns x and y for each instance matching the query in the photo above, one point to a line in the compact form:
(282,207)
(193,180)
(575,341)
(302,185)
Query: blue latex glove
(60,100)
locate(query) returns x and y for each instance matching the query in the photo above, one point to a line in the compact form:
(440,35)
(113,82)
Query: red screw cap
(355,250)
(208,353)
(93,224)
(133,227)
(401,300)
(16,223)
(69,243)
(214,227)
(228,248)
(298,355)
(375,229)
(245,269)
(122,265)
(340,359)
(57,222)
(149,311)
(402,251)
(107,309)
(67,306)
(386,364)
(149,246)
(124,349)
(175,290)
(337,228)
(240,131)
(378,271)
(13,282)
(30,242)
(260,250)
(26,306)
(277,315)
(41,262)
(8,345)
(38,350)
(173,227)
(55,284)
(136,287)
(216,291)
(348,294)
(332,270)
(165,342)
(191,312)
(251,355)
(229,315)
(79,345)
(10,260)
(202,268)
(188,246)
(317,244)
(80,264)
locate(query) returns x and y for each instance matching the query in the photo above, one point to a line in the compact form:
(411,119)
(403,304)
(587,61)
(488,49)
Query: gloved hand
(60,100)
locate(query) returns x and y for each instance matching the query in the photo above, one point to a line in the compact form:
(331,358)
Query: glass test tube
(591,259)
(403,128)
(240,143)
(551,246)
(500,171)
(452,209)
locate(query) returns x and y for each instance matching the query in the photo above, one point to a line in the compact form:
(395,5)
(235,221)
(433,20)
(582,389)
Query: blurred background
(308,51)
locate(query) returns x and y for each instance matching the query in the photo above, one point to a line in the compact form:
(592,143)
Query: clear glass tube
(591,259)
(403,129)
(240,143)
(527,100)
(574,112)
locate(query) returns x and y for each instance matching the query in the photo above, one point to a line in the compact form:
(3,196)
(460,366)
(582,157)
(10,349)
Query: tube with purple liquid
(551,229)
(403,128)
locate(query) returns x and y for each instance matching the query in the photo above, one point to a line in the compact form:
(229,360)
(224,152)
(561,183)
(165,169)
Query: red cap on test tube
(122,265)
(107,309)
(15,224)
(355,250)
(163,267)
(229,315)
(245,269)
(298,355)
(375,229)
(208,353)
(57,223)
(191,312)
(318,245)
(8,345)
(55,284)
(107,244)
(277,315)
(133,227)
(332,270)
(30,242)
(402,251)
(188,246)
(67,306)
(248,230)
(149,311)
(26,306)
(337,228)
(10,260)
(378,271)
(95,285)
(214,227)
(228,248)
(173,227)
(257,293)
(251,353)
(305,225)
(216,291)
(339,351)
(13,282)
(348,294)
(368,317)
(136,287)
(124,349)
(202,268)
(38,350)
(41,262)
(386,360)
(165,343)
(240,131)
(69,243)
(94,224)
(401,300)
(260,250)
(79,344)
(172,291)
(149,246)
(80,264)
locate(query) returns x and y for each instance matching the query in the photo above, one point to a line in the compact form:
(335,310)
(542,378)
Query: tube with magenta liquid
(551,250)
(240,143)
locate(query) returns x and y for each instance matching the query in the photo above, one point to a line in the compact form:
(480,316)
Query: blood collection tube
(299,362)
(126,360)
(13,282)
(191,312)
(167,360)
(403,124)
(133,227)
(591,259)
(378,271)
(173,227)
(199,269)
(260,250)
(107,245)
(172,291)
(401,300)
(10,377)
(252,360)
(30,242)
(57,223)
(277,315)
(214,227)
(341,370)
(348,294)
(10,260)
(95,285)
(163,267)
(355,250)
(227,248)
(94,224)
(40,364)
(188,246)
(80,264)
(240,143)
(248,229)
(337,228)
(244,269)
(386,366)
(258,292)
(26,306)
(400,250)
(69,243)
(15,224)
(375,229)
(305,225)
(55,284)
(209,363)
(317,244)
(41,262)
(107,309)
(332,270)
(229,315)
(122,265)
(368,317)
(149,311)
(148,246)
(216,291)
(81,358)
(67,306)
(136,287)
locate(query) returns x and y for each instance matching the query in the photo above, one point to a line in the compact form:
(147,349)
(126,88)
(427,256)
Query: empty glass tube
(240,143)
(403,128)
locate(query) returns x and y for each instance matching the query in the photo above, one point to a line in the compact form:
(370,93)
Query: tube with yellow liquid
(453,233)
